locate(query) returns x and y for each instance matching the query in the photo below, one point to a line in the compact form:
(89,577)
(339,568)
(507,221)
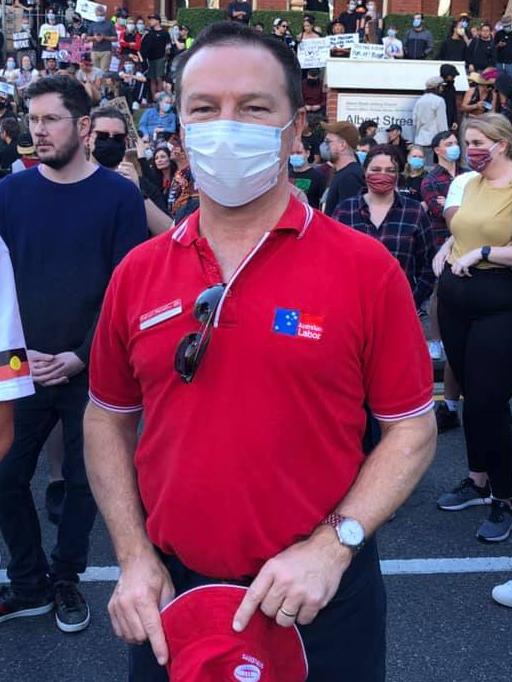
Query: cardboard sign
(343,40)
(121,104)
(367,51)
(21,41)
(50,38)
(49,54)
(313,54)
(87,9)
(385,109)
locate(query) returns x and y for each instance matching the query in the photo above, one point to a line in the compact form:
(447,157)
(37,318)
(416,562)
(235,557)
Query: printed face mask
(381,183)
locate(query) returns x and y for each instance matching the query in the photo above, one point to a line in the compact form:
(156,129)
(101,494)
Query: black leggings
(475,318)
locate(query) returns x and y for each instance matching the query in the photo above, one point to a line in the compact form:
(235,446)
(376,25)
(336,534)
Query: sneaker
(466,494)
(503,594)
(14,606)
(499,524)
(435,348)
(54,500)
(71,610)
(446,419)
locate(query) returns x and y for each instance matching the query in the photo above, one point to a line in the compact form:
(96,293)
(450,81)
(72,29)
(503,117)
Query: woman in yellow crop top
(475,316)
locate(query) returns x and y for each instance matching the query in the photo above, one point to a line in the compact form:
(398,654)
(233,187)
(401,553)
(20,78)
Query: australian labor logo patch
(292,322)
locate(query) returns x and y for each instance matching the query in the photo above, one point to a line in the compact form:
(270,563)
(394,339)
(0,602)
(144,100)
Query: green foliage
(438,26)
(198,18)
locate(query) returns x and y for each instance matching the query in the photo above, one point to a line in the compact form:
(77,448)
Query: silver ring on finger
(287,614)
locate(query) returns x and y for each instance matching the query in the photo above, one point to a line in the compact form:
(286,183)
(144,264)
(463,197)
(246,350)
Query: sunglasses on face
(192,346)
(103,136)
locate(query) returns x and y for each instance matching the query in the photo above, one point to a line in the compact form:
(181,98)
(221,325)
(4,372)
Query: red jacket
(131,45)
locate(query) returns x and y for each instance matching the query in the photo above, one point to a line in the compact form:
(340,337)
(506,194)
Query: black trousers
(345,643)
(34,419)
(475,318)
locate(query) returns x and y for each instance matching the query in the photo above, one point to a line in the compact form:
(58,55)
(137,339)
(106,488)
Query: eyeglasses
(192,346)
(49,120)
(104,136)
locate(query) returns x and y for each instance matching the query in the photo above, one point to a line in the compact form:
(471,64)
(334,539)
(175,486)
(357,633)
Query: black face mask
(109,153)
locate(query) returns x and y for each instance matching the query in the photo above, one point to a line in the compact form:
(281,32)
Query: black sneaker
(54,500)
(15,606)
(465,495)
(71,611)
(499,524)
(445,418)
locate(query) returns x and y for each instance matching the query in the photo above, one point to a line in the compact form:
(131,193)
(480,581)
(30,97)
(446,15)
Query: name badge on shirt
(164,312)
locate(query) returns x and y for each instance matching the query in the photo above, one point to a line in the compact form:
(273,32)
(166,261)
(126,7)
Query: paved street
(442,627)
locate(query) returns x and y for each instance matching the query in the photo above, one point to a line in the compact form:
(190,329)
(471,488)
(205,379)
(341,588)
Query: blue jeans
(345,642)
(34,418)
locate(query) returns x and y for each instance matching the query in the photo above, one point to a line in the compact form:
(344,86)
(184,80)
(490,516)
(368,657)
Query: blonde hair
(494,126)
(408,171)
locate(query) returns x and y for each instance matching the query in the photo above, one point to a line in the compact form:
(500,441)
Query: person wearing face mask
(313,91)
(338,148)
(429,116)
(132,82)
(140,25)
(418,41)
(90,77)
(130,40)
(475,316)
(393,47)
(305,177)
(449,73)
(160,119)
(349,17)
(413,174)
(154,47)
(27,40)
(27,75)
(51,26)
(363,147)
(223,324)
(10,73)
(481,97)
(400,223)
(102,34)
(454,47)
(503,42)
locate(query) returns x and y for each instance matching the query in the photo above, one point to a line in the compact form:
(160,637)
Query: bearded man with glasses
(67,224)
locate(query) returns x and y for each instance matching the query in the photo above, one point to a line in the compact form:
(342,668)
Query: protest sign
(6,89)
(21,41)
(313,54)
(343,40)
(50,38)
(72,50)
(367,51)
(386,110)
(50,54)
(87,9)
(121,104)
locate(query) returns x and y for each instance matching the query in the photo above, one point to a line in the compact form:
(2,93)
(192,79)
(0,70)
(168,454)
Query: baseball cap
(433,83)
(394,126)
(203,647)
(155,16)
(448,70)
(345,130)
(25,145)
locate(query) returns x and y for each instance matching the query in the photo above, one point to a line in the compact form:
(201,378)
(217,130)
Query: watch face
(350,532)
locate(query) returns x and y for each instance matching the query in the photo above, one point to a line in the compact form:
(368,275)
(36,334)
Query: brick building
(486,9)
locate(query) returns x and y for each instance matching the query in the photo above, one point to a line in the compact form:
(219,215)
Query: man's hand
(53,370)
(297,583)
(128,171)
(143,589)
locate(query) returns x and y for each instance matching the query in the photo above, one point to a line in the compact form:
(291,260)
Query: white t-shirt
(15,379)
(392,47)
(456,191)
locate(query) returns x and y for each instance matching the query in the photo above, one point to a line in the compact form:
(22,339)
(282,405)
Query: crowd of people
(190,133)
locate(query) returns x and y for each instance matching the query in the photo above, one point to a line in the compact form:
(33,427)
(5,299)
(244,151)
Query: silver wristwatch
(349,531)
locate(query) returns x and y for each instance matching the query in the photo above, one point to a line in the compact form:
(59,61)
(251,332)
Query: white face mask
(234,163)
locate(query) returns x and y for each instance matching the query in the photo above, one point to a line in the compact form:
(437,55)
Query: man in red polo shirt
(251,337)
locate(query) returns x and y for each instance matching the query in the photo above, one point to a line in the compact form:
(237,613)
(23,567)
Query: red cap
(203,647)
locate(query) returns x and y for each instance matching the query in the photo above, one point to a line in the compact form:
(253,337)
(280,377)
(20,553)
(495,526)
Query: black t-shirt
(349,21)
(345,183)
(311,182)
(411,186)
(154,44)
(504,53)
(314,140)
(317,6)
(453,50)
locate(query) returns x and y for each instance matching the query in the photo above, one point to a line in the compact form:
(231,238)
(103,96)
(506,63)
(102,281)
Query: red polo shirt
(266,440)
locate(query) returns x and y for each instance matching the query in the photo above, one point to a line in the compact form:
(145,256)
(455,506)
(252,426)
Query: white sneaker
(435,348)
(503,594)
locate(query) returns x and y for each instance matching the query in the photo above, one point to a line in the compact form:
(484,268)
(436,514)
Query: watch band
(484,252)
(334,519)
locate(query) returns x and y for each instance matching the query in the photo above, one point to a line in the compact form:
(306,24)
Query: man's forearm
(391,472)
(110,441)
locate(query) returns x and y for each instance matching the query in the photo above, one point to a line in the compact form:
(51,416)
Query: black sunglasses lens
(189,354)
(207,302)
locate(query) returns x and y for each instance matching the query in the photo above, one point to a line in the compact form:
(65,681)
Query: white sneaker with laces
(503,594)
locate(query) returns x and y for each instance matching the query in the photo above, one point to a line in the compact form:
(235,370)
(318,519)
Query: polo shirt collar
(297,218)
